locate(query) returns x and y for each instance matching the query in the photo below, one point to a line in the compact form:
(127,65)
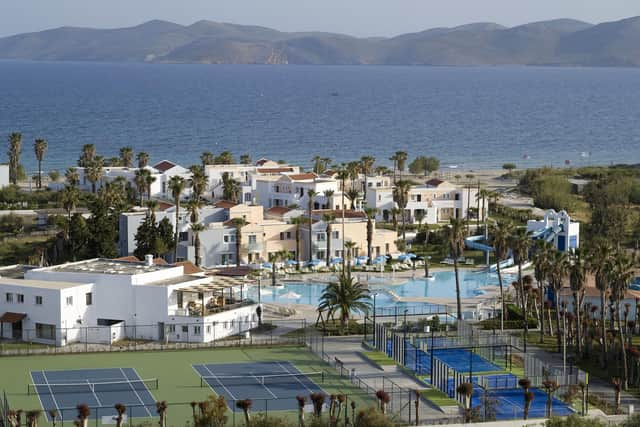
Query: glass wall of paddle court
(271,377)
(491,363)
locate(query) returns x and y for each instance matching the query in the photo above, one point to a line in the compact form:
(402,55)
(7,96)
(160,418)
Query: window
(229,238)
(45,332)
(88,297)
(69,300)
(171,329)
(288,235)
(180,299)
(9,297)
(253,239)
(225,325)
(282,236)
(185,328)
(20,298)
(208,329)
(183,236)
(335,234)
(197,330)
(321,237)
(320,255)
(38,300)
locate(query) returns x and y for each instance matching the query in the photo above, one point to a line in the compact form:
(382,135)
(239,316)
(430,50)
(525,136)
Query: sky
(355,17)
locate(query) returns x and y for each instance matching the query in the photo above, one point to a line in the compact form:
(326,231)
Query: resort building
(292,189)
(4,175)
(556,228)
(434,202)
(102,301)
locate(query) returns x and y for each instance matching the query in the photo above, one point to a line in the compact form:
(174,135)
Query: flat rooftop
(15,271)
(108,266)
(186,278)
(39,284)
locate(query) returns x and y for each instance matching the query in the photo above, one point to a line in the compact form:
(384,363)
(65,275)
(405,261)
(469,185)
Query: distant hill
(558,42)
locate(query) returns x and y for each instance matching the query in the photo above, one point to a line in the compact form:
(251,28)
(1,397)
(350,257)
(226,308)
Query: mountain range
(562,42)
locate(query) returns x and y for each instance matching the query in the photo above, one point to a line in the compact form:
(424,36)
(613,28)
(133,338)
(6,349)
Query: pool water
(443,285)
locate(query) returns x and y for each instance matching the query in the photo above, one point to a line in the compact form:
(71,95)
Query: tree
(509,167)
(225,158)
(149,180)
(401,160)
(346,295)
(466,390)
(245,159)
(79,236)
(366,166)
(69,198)
(54,175)
(350,248)
(469,177)
(230,188)
(83,415)
(140,181)
(483,195)
(598,260)
(311,194)
(207,158)
(176,185)
(401,197)
(500,235)
(353,194)
(40,148)
(87,155)
(238,223)
(196,229)
(121,410)
(143,159)
(15,149)
(520,243)
(541,257)
(577,277)
(550,387)
(455,241)
(273,259)
(328,219)
(94,172)
(126,157)
(103,228)
(557,276)
(198,181)
(297,221)
(425,165)
(371,216)
(328,196)
(151,237)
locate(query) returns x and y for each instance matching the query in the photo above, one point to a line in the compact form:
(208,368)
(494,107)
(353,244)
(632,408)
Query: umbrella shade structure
(411,255)
(362,257)
(380,260)
(336,260)
(291,262)
(267,265)
(314,262)
(403,257)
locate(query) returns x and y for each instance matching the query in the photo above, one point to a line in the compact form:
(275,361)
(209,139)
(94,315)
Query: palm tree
(72,177)
(140,181)
(198,181)
(328,219)
(577,276)
(143,159)
(94,172)
(350,248)
(328,197)
(466,390)
(238,223)
(87,155)
(345,296)
(353,194)
(273,259)
(40,147)
(196,229)
(541,257)
(148,180)
(83,415)
(121,410)
(598,260)
(176,185)
(225,158)
(520,243)
(557,275)
(469,176)
(371,216)
(15,148)
(207,158)
(401,197)
(455,240)
(245,159)
(230,188)
(483,195)
(550,387)
(161,409)
(621,273)
(297,221)
(126,157)
(500,235)
(401,160)
(342,175)
(310,195)
(366,166)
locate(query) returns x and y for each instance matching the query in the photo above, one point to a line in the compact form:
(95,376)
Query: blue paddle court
(99,389)
(271,386)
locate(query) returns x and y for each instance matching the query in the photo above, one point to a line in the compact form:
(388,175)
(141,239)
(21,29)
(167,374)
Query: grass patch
(437,397)
(378,358)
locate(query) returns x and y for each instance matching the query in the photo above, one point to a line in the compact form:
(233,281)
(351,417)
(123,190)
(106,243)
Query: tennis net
(93,387)
(231,380)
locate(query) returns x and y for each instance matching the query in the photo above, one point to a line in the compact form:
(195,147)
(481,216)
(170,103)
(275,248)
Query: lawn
(178,383)
(438,398)
(378,358)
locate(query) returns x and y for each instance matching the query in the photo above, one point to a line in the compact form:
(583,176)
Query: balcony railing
(196,310)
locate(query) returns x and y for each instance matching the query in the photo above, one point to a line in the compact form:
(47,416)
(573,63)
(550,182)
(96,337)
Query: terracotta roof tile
(274,170)
(189,267)
(164,165)
(10,317)
(278,210)
(225,204)
(302,176)
(434,182)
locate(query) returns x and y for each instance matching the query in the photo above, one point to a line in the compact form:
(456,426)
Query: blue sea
(469,117)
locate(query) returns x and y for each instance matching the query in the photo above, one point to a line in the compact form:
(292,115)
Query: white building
(4,175)
(293,189)
(101,301)
(435,201)
(556,228)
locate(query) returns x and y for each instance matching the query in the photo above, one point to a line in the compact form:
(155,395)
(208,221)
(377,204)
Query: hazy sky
(356,17)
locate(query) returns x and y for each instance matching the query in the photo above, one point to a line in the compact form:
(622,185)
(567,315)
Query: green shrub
(574,420)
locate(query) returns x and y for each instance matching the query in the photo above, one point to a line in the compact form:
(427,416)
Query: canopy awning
(10,317)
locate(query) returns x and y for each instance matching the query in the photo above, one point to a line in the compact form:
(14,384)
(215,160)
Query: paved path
(349,351)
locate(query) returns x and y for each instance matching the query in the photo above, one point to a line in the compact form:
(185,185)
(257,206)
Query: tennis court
(98,388)
(271,386)
(459,359)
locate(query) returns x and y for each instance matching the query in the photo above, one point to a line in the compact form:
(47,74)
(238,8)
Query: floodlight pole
(431,354)
(564,345)
(375,294)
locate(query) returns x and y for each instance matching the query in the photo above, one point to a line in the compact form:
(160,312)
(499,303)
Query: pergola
(215,289)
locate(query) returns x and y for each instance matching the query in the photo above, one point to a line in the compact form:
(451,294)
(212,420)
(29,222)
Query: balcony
(195,309)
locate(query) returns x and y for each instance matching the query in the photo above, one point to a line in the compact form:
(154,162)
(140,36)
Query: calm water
(442,286)
(472,117)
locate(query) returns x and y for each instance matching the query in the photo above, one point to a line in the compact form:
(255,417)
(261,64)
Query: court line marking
(46,412)
(297,379)
(217,379)
(93,391)
(144,405)
(53,396)
(264,385)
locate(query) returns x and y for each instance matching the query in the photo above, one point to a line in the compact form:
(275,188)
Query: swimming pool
(443,285)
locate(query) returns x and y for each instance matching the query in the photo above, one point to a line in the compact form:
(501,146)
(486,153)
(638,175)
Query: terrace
(221,294)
